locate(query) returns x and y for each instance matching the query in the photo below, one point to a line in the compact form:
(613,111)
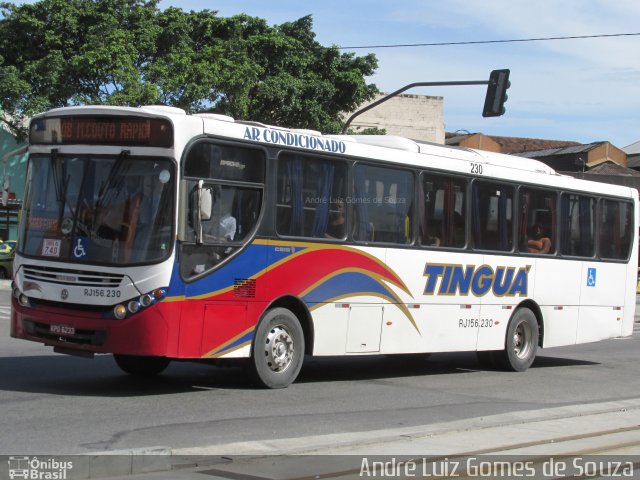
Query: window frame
(554,223)
(595,229)
(414,174)
(186,188)
(599,212)
(278,160)
(510,231)
(424,175)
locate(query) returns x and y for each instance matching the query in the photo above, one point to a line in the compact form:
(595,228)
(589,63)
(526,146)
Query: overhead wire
(479,42)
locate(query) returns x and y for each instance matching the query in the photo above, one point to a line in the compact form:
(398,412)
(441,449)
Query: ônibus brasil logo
(35,469)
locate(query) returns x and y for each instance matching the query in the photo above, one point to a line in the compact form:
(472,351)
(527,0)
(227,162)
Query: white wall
(418,117)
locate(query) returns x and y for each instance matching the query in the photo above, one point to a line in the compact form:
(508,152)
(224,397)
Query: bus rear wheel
(521,343)
(278,349)
(141,366)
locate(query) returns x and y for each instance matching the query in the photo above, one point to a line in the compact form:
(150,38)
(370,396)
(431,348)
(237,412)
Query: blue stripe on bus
(347,284)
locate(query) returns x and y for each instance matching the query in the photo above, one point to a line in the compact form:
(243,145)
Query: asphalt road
(55,404)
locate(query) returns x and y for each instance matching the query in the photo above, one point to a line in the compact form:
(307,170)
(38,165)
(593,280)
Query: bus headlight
(145,300)
(119,311)
(133,306)
(23,300)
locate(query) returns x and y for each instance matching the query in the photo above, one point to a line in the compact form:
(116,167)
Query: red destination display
(130,131)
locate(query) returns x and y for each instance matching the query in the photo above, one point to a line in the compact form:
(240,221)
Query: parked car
(7,252)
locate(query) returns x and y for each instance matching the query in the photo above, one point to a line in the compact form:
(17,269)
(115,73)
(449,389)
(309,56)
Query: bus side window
(577,220)
(442,211)
(382,205)
(311,196)
(615,229)
(492,216)
(235,209)
(537,221)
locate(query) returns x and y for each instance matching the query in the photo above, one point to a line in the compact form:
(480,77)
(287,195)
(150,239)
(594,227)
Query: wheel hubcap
(279,349)
(522,340)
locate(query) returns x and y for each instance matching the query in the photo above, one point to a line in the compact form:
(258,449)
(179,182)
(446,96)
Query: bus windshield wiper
(113,174)
(57,186)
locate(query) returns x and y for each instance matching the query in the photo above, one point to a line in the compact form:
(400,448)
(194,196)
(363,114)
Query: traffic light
(496,93)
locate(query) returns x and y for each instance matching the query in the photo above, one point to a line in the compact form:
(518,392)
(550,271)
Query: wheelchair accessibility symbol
(591,277)
(80,249)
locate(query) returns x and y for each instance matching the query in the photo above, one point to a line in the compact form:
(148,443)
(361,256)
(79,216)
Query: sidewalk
(611,428)
(563,430)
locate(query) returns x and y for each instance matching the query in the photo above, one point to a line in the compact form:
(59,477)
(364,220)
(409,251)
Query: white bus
(155,235)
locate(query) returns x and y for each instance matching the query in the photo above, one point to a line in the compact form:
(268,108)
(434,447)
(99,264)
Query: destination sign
(102,130)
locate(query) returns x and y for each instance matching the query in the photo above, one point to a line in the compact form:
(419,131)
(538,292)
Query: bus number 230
(476,168)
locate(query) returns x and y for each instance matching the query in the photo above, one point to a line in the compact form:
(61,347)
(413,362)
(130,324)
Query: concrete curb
(492,434)
(120,463)
(611,428)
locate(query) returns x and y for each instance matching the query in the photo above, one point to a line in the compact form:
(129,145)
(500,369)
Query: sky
(583,90)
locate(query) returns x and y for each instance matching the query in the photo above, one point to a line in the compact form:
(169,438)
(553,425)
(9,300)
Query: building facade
(14,170)
(418,117)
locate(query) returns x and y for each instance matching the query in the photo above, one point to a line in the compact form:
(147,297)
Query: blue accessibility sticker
(80,247)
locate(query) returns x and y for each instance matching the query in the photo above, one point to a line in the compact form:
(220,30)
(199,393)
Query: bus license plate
(62,330)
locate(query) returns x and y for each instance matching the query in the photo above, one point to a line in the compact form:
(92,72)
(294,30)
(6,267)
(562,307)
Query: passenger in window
(209,256)
(222,225)
(335,229)
(433,241)
(537,242)
(228,227)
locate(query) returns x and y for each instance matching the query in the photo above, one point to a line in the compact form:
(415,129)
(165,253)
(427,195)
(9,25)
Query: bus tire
(278,349)
(521,343)
(141,366)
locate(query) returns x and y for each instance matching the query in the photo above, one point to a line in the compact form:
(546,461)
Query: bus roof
(380,147)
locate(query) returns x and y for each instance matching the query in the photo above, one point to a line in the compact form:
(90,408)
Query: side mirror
(205,201)
(203,209)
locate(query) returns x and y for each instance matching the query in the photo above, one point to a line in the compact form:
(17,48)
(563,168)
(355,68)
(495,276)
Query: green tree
(367,131)
(57,53)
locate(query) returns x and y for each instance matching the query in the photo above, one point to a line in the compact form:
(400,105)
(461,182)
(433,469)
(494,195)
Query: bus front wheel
(521,343)
(278,349)
(141,366)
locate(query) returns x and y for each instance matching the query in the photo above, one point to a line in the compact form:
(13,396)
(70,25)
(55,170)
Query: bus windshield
(99,210)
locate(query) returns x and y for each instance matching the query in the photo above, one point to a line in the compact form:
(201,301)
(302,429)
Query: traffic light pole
(489,82)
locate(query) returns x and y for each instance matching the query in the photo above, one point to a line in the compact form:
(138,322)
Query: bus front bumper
(145,333)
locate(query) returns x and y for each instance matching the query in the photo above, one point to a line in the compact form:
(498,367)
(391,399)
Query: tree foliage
(56,53)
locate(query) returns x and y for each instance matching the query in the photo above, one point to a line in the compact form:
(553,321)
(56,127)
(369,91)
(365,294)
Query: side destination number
(476,168)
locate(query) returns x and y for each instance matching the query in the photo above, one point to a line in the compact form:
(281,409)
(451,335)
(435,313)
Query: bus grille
(64,276)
